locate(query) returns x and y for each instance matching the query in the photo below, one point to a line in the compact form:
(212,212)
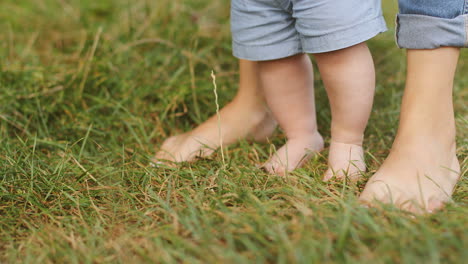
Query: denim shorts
(430,24)
(274,29)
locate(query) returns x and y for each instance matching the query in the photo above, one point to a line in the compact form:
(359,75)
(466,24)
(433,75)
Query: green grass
(89,90)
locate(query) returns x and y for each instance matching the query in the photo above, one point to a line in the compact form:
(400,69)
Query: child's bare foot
(239,120)
(416,178)
(294,154)
(349,78)
(345,160)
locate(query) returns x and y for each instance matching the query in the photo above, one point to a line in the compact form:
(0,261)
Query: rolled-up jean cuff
(267,52)
(428,32)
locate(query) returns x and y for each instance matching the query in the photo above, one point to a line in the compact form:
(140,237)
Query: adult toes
(170,142)
(162,156)
(376,192)
(205,152)
(409,206)
(435,205)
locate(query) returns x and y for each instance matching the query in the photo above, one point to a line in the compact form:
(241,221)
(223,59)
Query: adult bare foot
(422,169)
(245,117)
(238,120)
(294,154)
(345,160)
(416,178)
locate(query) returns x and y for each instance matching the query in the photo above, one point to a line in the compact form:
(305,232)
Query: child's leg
(246,116)
(272,32)
(422,168)
(349,78)
(288,88)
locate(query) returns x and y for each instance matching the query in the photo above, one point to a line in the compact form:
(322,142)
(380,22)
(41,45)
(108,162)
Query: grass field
(89,90)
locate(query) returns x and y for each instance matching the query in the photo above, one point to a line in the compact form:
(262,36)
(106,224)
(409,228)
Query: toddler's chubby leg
(421,171)
(245,117)
(349,78)
(288,89)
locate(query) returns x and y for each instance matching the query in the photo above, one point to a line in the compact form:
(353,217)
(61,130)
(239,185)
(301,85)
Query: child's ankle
(306,135)
(358,140)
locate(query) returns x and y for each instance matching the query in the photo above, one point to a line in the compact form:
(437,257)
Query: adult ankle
(422,136)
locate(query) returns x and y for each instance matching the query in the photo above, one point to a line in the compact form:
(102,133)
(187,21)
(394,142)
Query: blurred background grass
(91,88)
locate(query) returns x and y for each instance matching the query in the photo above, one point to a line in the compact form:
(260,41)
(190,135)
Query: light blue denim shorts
(430,24)
(274,29)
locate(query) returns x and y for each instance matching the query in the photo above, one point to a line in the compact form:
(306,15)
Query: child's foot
(238,121)
(345,160)
(294,154)
(416,178)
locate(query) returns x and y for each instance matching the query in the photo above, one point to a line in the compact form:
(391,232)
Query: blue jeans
(430,24)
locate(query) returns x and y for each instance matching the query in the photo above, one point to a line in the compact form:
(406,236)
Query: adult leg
(422,169)
(349,78)
(288,88)
(245,117)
